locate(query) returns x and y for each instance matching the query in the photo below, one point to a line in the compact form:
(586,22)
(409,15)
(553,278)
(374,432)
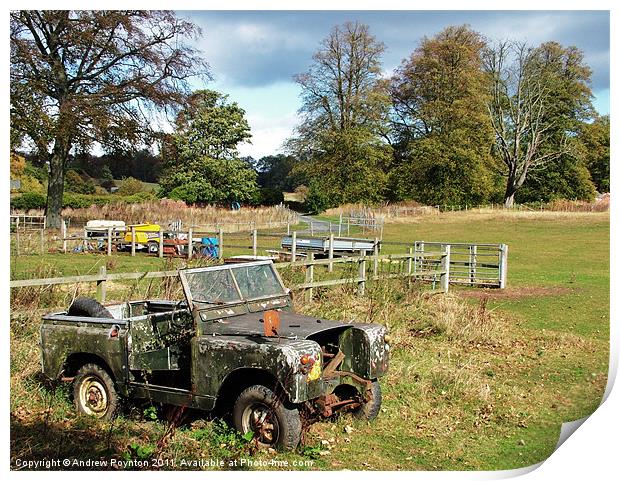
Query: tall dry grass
(383,211)
(166,211)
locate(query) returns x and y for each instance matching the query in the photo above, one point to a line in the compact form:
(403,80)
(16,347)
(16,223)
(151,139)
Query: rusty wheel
(262,421)
(273,423)
(94,393)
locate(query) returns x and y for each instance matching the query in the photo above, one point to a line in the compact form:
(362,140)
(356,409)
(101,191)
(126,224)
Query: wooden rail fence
(438,274)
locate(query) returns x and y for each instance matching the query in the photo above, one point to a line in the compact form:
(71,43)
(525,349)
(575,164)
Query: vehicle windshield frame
(183,274)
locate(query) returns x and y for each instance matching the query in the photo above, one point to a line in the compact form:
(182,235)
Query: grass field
(478,379)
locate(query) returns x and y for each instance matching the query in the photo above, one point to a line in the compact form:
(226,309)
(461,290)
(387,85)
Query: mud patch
(515,292)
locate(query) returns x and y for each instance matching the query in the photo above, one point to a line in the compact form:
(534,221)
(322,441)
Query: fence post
(503,265)
(109,246)
(361,283)
(220,243)
(101,287)
(410,262)
(160,248)
(133,241)
(294,247)
(63,233)
(348,226)
(340,225)
(311,228)
(85,240)
(42,241)
(288,228)
(419,261)
(254,242)
(17,240)
(190,243)
(473,261)
(330,266)
(444,277)
(310,277)
(375,261)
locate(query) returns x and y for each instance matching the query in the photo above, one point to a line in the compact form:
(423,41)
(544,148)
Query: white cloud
(268,134)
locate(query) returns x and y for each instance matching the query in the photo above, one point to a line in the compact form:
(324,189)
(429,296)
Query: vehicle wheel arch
(76,360)
(239,379)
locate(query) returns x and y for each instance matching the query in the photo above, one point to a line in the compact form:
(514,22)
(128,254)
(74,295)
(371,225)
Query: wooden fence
(439,273)
(27,222)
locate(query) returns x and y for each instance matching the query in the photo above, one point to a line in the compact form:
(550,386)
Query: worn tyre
(274,424)
(88,307)
(370,409)
(153,247)
(94,393)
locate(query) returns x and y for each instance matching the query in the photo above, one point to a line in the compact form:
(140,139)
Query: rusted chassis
(201,371)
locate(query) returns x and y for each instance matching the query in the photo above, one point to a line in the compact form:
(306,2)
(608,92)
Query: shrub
(269,196)
(74,182)
(130,186)
(317,199)
(29,200)
(31,184)
(76,201)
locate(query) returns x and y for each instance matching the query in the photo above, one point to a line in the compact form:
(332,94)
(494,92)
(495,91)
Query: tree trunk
(56,182)
(509,196)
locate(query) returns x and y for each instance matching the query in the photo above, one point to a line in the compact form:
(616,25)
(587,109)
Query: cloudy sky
(254,55)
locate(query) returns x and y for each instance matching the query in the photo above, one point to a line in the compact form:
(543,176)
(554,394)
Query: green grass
(490,396)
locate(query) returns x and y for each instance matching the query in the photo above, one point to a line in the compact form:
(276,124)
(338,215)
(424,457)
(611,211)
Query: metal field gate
(479,265)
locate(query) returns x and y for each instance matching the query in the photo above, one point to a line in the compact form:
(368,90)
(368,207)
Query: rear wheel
(153,247)
(259,410)
(94,393)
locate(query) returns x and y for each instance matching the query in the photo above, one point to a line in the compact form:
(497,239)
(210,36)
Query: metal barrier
(480,265)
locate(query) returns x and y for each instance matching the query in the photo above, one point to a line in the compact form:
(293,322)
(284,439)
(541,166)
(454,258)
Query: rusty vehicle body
(234,342)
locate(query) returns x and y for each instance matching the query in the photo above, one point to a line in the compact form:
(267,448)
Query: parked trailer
(342,245)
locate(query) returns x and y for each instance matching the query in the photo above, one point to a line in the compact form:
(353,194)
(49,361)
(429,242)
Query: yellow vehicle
(147,237)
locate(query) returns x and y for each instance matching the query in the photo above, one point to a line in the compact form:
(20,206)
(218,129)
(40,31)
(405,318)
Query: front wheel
(94,393)
(275,425)
(370,409)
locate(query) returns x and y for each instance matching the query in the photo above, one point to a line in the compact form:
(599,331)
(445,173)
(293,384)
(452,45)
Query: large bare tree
(518,107)
(79,77)
(345,105)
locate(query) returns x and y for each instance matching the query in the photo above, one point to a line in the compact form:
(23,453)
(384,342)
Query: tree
(107,177)
(202,163)
(79,77)
(278,172)
(344,108)
(538,98)
(442,134)
(594,140)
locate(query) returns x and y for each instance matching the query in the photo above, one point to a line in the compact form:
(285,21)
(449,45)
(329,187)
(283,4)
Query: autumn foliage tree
(442,133)
(80,77)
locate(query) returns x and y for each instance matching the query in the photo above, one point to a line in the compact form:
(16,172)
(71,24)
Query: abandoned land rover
(234,342)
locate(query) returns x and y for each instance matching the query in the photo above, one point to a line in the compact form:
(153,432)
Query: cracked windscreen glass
(212,287)
(257,281)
